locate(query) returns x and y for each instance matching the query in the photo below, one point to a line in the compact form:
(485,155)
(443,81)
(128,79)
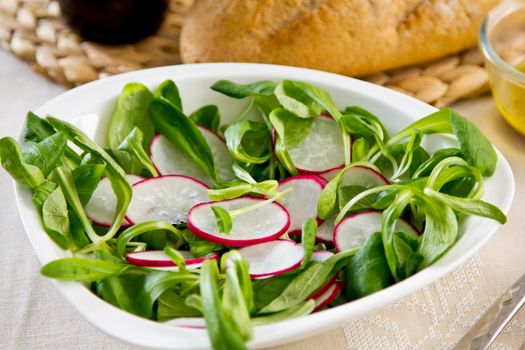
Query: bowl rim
(498,13)
(90,306)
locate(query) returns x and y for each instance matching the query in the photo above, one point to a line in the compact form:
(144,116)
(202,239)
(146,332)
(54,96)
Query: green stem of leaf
(362,195)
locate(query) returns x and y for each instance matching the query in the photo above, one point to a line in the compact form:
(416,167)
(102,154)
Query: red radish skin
(157,258)
(166,197)
(321,255)
(270,258)
(252,235)
(168,160)
(354,230)
(301,203)
(328,296)
(102,204)
(324,288)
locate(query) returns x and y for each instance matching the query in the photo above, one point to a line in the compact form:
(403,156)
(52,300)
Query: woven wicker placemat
(34,31)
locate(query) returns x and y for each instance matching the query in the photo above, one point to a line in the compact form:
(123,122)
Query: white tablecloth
(33,314)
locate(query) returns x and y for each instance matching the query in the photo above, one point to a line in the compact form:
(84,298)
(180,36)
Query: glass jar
(502,41)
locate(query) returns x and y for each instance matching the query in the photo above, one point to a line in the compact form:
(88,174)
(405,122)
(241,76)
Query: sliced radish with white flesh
(325,232)
(169,160)
(102,204)
(187,322)
(330,174)
(358,175)
(364,176)
(321,255)
(167,198)
(259,225)
(321,150)
(272,258)
(324,288)
(301,203)
(354,230)
(159,259)
(328,296)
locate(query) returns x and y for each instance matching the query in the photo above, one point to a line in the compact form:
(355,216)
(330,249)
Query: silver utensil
(483,333)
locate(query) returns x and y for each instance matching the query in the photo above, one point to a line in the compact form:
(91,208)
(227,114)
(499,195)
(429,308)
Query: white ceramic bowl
(90,107)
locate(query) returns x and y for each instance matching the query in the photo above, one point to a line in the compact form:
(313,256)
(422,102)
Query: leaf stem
(362,195)
(234,213)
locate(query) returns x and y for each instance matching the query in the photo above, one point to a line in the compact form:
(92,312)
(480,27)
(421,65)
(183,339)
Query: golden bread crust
(351,37)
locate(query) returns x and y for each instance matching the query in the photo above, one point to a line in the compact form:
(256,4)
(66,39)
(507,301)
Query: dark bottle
(114,21)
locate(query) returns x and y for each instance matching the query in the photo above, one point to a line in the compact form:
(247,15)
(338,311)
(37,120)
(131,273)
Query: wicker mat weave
(33,30)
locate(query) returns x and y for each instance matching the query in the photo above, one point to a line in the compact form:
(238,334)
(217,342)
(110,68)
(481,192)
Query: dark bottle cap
(114,21)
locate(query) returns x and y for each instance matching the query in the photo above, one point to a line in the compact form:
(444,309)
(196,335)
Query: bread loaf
(351,37)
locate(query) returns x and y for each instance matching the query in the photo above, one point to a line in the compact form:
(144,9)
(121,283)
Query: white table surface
(33,314)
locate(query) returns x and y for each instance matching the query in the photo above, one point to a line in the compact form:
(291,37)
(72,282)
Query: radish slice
(321,255)
(102,204)
(256,226)
(325,232)
(167,198)
(324,288)
(328,296)
(159,259)
(321,150)
(358,175)
(354,230)
(330,174)
(169,160)
(272,258)
(187,322)
(364,176)
(301,203)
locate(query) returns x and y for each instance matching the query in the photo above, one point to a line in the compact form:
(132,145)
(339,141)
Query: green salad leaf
(13,162)
(87,177)
(36,129)
(46,154)
(172,305)
(55,218)
(132,112)
(308,235)
(367,272)
(249,141)
(183,134)
(313,277)
(133,145)
(114,172)
(224,219)
(235,90)
(82,269)
(477,149)
(223,334)
(441,231)
(169,90)
(207,116)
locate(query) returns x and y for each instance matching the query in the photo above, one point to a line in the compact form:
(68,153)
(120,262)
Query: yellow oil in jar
(510,97)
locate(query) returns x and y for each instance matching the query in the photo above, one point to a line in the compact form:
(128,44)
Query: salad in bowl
(234,222)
